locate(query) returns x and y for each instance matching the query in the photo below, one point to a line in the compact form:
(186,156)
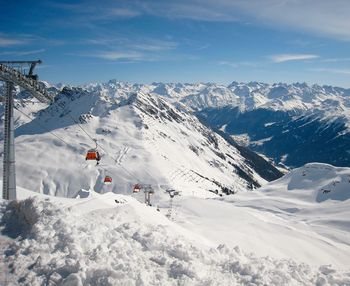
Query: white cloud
(292,57)
(336,60)
(192,9)
(238,64)
(8,42)
(227,63)
(323,17)
(123,12)
(332,70)
(120,55)
(88,11)
(22,53)
(133,42)
(154,47)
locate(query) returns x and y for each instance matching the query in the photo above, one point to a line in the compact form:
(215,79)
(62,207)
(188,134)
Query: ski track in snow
(122,154)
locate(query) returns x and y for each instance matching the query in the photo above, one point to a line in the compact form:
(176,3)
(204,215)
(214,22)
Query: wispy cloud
(19,41)
(238,64)
(88,11)
(191,9)
(292,57)
(336,60)
(6,41)
(227,63)
(120,55)
(203,47)
(154,47)
(299,42)
(332,70)
(323,17)
(123,12)
(131,47)
(22,53)
(132,42)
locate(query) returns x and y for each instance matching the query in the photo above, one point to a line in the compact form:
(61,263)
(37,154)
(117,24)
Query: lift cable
(93,139)
(76,122)
(52,133)
(99,145)
(42,126)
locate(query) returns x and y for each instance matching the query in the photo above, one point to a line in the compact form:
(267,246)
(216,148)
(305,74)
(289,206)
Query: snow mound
(315,182)
(127,243)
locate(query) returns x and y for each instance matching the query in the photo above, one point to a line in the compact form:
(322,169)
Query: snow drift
(314,182)
(96,241)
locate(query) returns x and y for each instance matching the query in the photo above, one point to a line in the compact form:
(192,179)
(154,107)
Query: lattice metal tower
(12,73)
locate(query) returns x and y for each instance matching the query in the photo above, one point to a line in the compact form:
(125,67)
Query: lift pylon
(12,76)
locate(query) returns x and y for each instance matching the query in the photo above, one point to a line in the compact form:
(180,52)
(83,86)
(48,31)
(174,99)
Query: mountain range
(143,129)
(292,124)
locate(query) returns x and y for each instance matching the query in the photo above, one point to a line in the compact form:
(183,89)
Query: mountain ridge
(143,138)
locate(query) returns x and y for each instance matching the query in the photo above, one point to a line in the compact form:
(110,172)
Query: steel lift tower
(14,73)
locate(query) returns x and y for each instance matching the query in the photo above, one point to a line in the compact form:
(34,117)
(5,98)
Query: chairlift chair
(137,188)
(93,154)
(107,180)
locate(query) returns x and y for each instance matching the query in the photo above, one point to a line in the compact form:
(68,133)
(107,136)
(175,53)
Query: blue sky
(181,41)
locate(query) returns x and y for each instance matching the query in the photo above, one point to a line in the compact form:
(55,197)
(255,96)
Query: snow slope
(142,139)
(314,182)
(307,210)
(96,241)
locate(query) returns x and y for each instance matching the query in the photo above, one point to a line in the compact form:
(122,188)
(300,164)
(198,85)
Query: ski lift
(137,188)
(93,154)
(107,180)
(172,193)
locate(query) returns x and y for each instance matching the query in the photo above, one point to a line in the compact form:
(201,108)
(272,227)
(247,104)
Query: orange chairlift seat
(107,180)
(137,188)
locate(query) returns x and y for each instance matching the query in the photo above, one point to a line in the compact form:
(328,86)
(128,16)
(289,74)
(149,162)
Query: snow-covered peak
(295,97)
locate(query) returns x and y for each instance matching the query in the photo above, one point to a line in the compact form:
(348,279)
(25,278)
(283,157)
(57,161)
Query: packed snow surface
(289,232)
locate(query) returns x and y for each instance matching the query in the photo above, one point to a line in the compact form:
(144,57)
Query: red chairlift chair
(107,180)
(137,188)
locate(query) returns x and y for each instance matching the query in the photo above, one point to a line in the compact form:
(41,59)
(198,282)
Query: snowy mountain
(281,121)
(292,124)
(142,138)
(293,140)
(292,232)
(296,97)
